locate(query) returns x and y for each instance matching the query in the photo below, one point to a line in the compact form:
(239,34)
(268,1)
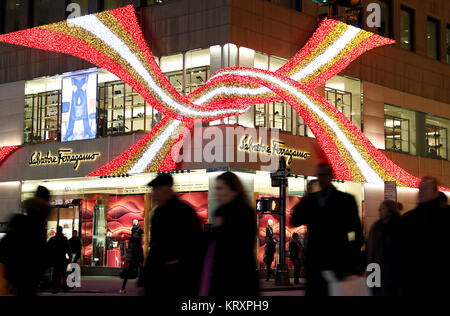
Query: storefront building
(404,114)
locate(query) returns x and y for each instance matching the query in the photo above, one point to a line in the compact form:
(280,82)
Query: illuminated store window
(342,100)
(386,18)
(10,16)
(260,115)
(399,129)
(437,136)
(396,131)
(122,110)
(448,43)
(407,28)
(276,63)
(300,125)
(42,116)
(345,94)
(432,38)
(280,116)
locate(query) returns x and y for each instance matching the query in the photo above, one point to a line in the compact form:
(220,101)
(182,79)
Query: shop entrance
(65,215)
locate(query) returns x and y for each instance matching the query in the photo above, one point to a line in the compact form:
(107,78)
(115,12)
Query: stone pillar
(420,132)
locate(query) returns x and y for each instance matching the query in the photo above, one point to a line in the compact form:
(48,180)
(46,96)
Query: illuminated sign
(64,156)
(79,107)
(276,148)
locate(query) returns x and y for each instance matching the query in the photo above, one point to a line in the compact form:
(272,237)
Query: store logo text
(65,156)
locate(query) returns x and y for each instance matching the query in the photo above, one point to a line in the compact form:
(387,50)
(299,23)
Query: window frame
(394,118)
(390,17)
(412,18)
(438,37)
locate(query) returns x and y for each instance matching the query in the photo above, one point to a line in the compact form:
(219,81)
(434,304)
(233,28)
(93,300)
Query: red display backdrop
(291,202)
(199,202)
(122,210)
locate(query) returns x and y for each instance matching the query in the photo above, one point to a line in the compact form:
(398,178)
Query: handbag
(350,286)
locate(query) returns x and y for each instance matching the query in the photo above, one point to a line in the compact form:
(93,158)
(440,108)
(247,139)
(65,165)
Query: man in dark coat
(425,243)
(134,254)
(296,254)
(75,247)
(23,248)
(58,252)
(173,265)
(335,234)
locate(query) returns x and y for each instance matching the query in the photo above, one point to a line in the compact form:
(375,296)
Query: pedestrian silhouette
(233,271)
(296,255)
(23,248)
(334,236)
(59,252)
(75,247)
(384,248)
(269,250)
(134,255)
(173,265)
(425,240)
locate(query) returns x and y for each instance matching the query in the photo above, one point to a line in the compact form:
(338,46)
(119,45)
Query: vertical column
(420,132)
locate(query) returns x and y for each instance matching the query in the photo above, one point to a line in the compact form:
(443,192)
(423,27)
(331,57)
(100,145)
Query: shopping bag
(353,285)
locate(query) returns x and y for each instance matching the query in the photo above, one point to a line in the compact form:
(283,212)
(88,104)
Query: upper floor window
(112,4)
(386,18)
(433,38)
(448,43)
(345,94)
(396,133)
(407,28)
(436,135)
(41,12)
(399,123)
(10,18)
(280,116)
(122,110)
(42,116)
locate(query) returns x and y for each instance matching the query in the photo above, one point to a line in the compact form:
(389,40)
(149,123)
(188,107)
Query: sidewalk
(110,286)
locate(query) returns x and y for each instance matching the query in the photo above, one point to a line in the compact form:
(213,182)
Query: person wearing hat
(173,265)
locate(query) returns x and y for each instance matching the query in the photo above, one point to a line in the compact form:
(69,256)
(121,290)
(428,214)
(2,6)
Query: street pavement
(110,286)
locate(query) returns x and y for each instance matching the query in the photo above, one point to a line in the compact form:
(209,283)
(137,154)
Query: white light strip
(332,51)
(94,26)
(230,91)
(154,148)
(369,174)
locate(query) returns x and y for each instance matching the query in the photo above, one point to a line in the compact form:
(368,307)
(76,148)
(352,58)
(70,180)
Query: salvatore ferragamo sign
(276,148)
(64,156)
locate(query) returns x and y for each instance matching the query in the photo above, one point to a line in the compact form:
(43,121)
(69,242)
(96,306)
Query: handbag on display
(353,285)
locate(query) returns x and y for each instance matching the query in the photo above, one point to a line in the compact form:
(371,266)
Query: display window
(263,222)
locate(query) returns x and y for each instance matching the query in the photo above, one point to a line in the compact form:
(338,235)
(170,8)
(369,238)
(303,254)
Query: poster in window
(79,107)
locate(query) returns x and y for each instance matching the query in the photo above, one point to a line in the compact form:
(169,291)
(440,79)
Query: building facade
(398,95)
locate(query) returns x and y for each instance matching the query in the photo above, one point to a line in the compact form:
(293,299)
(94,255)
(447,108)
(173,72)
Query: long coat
(173,265)
(425,243)
(335,237)
(384,248)
(234,268)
